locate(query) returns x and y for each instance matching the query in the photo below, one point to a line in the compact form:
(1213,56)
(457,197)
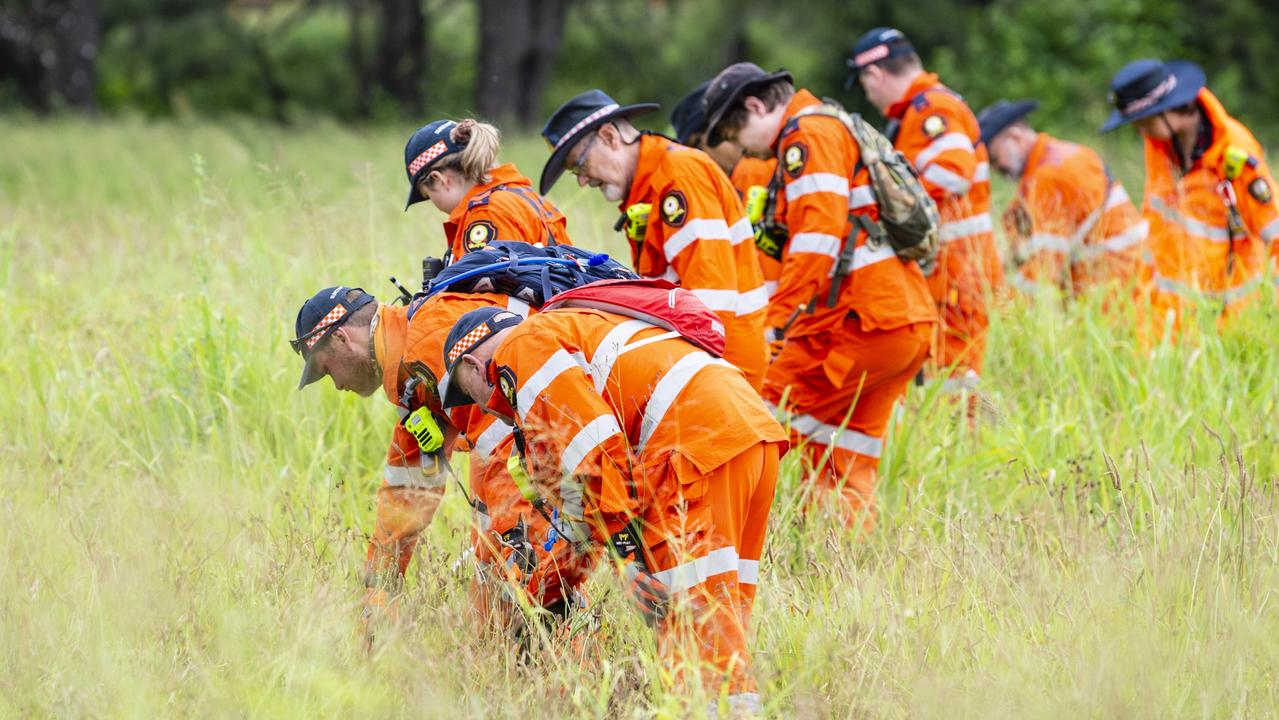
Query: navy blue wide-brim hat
(573,120)
(689,116)
(995,118)
(425,148)
(1147,87)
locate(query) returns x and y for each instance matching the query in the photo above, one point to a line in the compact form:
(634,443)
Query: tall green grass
(184,529)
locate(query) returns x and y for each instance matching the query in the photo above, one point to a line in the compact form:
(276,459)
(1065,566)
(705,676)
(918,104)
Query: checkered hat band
(334,315)
(427,156)
(584,122)
(467,342)
(866,57)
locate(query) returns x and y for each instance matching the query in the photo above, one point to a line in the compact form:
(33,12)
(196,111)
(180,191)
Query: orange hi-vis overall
(937,132)
(842,368)
(408,498)
(504,208)
(1199,254)
(623,420)
(699,238)
(1071,225)
(752,172)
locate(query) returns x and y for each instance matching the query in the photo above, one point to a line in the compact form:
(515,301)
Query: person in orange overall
(747,174)
(667,455)
(850,348)
(1071,225)
(1209,193)
(343,333)
(684,221)
(454,165)
(932,126)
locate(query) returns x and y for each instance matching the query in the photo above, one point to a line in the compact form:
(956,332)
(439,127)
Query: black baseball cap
(573,120)
(318,318)
(878,45)
(470,332)
(425,148)
(689,116)
(733,83)
(996,118)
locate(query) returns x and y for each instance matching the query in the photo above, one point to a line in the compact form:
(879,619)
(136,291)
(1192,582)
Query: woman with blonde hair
(454,165)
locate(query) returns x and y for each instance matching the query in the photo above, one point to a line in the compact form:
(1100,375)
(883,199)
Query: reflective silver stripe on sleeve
(1228,295)
(822,433)
(556,364)
(946,180)
(1046,241)
(1270,231)
(860,197)
(949,141)
(591,436)
(981,173)
(694,230)
(816,243)
(816,183)
(1191,226)
(741,231)
(493,435)
(865,255)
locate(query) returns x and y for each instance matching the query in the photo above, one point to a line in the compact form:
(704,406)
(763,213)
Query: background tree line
(511,60)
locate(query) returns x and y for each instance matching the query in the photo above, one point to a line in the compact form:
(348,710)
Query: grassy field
(183,530)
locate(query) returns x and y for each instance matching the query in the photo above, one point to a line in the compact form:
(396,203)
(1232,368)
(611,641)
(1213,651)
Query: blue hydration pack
(532,274)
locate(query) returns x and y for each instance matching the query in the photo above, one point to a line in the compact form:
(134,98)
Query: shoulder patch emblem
(934,125)
(506,384)
(794,157)
(479,234)
(1259,189)
(674,208)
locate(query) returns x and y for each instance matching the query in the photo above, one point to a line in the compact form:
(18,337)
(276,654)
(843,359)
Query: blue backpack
(532,274)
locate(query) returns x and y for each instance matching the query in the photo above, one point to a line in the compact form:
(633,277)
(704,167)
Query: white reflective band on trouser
(967,382)
(949,141)
(1024,284)
(951,231)
(747,703)
(1119,242)
(591,436)
(731,301)
(410,476)
(946,180)
(1117,196)
(1047,241)
(817,243)
(668,389)
(1191,226)
(695,572)
(823,434)
(865,255)
(493,435)
(537,382)
(1270,231)
(696,229)
(1228,295)
(860,197)
(816,183)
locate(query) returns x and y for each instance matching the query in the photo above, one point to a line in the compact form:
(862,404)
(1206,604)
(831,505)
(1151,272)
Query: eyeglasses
(579,167)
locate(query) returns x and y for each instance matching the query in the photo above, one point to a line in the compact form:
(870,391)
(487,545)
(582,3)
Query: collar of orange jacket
(388,346)
(800,100)
(1219,122)
(1033,158)
(923,83)
(652,150)
(504,174)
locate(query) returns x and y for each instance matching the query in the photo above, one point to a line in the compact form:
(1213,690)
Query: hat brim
(310,373)
(414,196)
(1008,115)
(713,120)
(554,166)
(453,396)
(1190,80)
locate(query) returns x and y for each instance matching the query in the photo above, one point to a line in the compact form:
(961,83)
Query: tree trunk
(518,43)
(401,52)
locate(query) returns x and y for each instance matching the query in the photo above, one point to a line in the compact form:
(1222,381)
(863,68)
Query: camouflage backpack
(908,217)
